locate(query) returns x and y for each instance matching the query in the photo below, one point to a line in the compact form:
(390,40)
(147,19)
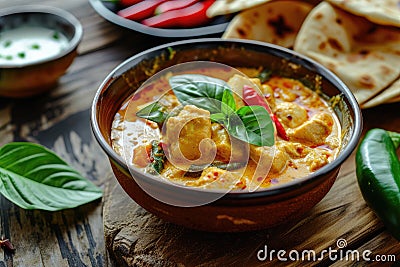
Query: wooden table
(60,121)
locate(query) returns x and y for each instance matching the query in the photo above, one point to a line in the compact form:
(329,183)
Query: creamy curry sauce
(310,123)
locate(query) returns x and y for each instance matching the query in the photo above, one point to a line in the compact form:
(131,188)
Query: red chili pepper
(252,98)
(173,5)
(5,243)
(128,2)
(190,16)
(141,10)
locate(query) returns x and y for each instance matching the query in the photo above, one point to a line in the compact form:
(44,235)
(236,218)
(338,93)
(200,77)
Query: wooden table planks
(79,237)
(60,121)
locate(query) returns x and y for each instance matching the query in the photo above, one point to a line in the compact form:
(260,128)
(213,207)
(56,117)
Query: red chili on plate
(190,16)
(173,5)
(141,10)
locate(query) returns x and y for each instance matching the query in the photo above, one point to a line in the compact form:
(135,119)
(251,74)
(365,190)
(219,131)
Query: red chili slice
(252,98)
(129,2)
(141,10)
(173,5)
(190,16)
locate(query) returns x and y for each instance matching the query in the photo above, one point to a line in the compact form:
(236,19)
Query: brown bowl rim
(275,50)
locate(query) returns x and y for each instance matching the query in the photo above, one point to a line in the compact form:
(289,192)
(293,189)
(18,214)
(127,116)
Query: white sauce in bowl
(29,44)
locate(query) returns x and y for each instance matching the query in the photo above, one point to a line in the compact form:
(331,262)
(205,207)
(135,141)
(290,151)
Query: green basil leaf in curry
(228,105)
(199,90)
(154,112)
(252,125)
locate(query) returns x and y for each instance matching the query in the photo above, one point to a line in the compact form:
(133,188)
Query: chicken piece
(189,132)
(269,95)
(213,177)
(314,131)
(284,88)
(280,161)
(169,101)
(295,150)
(317,158)
(227,147)
(278,156)
(291,114)
(257,82)
(286,94)
(141,156)
(222,141)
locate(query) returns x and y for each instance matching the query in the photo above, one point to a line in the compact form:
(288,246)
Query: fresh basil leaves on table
(251,124)
(33,177)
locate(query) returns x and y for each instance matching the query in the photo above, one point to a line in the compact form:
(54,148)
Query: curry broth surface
(289,99)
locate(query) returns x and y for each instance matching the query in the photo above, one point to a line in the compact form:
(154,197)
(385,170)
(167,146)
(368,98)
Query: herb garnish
(33,177)
(264,75)
(7,44)
(154,112)
(35,46)
(157,156)
(251,124)
(21,54)
(56,35)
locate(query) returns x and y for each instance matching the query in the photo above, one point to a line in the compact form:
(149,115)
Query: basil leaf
(33,177)
(199,90)
(218,117)
(253,125)
(154,112)
(264,75)
(228,105)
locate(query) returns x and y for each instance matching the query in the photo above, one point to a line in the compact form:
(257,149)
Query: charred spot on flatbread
(335,44)
(280,26)
(274,22)
(367,81)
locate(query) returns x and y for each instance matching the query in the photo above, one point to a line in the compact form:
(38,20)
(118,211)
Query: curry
(265,130)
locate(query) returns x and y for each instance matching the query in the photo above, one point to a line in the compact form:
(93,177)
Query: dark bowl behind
(235,211)
(37,77)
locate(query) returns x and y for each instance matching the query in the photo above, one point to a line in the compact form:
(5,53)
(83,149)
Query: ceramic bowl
(24,79)
(235,211)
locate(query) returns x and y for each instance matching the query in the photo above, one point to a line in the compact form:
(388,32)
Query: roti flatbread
(276,22)
(366,56)
(385,12)
(393,100)
(390,94)
(223,7)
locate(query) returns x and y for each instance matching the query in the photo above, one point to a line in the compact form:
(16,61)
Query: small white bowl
(24,79)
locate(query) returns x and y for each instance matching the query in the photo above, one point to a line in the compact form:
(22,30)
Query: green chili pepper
(378,175)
